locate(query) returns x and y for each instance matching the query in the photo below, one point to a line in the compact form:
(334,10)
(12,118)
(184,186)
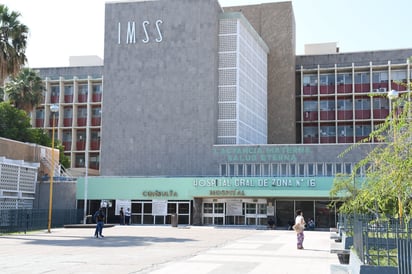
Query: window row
(285,169)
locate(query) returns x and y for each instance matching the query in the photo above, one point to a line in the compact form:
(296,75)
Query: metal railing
(23,220)
(381,241)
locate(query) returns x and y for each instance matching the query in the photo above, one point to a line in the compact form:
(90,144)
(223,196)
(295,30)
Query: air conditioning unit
(375,90)
(382,90)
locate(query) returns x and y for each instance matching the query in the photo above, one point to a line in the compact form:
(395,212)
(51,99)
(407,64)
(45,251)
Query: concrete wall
(275,23)
(64,195)
(27,152)
(159,113)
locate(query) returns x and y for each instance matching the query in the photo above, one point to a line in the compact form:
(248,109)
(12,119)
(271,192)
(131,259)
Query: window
(326,131)
(327,105)
(292,168)
(231,170)
(283,170)
(240,170)
(362,104)
(338,168)
(380,77)
(82,89)
(310,80)
(362,78)
(249,170)
(344,78)
(320,169)
(310,131)
(55,90)
(223,170)
(363,130)
(310,106)
(68,90)
(345,131)
(265,171)
(257,170)
(399,76)
(327,79)
(301,171)
(275,171)
(344,104)
(348,168)
(329,169)
(97,88)
(311,169)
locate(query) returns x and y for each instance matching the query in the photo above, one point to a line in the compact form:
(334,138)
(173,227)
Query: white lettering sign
(131,32)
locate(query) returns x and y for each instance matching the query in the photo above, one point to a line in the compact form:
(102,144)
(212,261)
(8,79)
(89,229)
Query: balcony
(327,115)
(342,88)
(96,121)
(68,98)
(56,122)
(310,116)
(345,139)
(380,113)
(39,122)
(82,98)
(345,114)
(54,99)
(310,140)
(80,145)
(310,90)
(97,97)
(95,144)
(327,139)
(67,145)
(363,114)
(82,121)
(327,89)
(67,122)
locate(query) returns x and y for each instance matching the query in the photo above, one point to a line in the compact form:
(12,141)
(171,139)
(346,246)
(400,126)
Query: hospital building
(205,113)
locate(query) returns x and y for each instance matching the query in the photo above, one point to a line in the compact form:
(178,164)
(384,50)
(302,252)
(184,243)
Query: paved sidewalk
(164,249)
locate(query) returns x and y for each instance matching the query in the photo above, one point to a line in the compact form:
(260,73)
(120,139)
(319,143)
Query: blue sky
(59,29)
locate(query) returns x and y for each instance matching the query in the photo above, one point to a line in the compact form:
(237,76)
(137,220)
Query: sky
(64,28)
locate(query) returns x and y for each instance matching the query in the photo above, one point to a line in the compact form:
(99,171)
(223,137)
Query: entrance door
(256,213)
(213,213)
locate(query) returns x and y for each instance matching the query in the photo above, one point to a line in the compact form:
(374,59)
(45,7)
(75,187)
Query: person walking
(121,216)
(299,228)
(127,216)
(99,217)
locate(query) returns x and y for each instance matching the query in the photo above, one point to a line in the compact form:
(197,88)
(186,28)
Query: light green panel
(185,188)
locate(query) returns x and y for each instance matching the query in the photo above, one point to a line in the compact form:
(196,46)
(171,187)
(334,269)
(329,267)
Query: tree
(386,187)
(13,41)
(25,90)
(14,123)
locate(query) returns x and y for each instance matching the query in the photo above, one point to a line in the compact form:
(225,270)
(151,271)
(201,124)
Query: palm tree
(25,90)
(13,40)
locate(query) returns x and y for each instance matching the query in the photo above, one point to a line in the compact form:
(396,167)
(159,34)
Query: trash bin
(89,219)
(174,220)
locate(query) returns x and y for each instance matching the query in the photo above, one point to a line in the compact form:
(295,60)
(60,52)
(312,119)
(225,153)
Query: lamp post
(53,109)
(393,95)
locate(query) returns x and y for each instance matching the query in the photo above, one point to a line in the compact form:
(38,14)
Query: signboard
(234,208)
(122,203)
(159,207)
(270,211)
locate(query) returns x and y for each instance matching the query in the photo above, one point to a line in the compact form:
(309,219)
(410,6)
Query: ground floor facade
(220,201)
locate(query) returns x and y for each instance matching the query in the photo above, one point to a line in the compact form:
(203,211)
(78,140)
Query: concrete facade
(275,23)
(167,87)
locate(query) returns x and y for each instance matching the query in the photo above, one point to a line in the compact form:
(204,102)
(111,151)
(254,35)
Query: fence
(381,242)
(22,220)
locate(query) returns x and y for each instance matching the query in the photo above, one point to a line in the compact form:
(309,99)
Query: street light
(393,95)
(53,108)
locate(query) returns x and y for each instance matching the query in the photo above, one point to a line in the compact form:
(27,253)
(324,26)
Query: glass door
(213,213)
